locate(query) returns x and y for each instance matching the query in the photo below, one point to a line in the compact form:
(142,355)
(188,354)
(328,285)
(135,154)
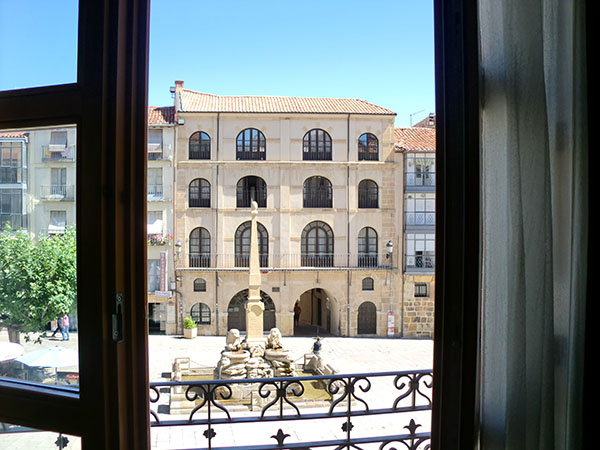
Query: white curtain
(534,228)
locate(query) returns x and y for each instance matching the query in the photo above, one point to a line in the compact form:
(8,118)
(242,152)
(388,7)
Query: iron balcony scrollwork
(285,400)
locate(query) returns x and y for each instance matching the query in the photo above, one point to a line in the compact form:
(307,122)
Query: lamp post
(389,255)
(177,257)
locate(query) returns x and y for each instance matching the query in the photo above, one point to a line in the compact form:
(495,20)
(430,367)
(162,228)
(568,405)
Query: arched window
(368,194)
(317,193)
(236,311)
(200,248)
(317,245)
(199,194)
(200,314)
(199,146)
(251,189)
(368,284)
(367,318)
(199,285)
(368,147)
(367,247)
(251,144)
(242,245)
(316,145)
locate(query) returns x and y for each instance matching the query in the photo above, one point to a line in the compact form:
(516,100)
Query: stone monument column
(255,340)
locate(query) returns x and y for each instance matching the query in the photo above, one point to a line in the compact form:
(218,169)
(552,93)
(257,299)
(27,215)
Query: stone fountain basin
(238,357)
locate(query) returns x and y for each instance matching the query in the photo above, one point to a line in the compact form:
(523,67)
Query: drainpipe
(348,225)
(217,228)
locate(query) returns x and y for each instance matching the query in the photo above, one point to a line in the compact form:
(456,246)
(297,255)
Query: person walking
(65,327)
(59,326)
(297,312)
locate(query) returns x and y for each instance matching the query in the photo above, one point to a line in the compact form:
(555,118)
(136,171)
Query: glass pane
(38,255)
(18,437)
(46,33)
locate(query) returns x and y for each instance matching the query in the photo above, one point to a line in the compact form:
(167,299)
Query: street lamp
(390,249)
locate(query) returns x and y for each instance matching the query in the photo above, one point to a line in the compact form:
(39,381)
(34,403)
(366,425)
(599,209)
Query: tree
(38,280)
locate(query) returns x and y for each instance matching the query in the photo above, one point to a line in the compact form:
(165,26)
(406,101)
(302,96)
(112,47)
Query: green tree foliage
(38,280)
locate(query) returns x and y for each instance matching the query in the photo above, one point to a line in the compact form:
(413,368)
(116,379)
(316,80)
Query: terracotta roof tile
(161,115)
(414,139)
(192,101)
(13,134)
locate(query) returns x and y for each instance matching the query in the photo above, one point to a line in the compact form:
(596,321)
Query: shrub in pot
(189,328)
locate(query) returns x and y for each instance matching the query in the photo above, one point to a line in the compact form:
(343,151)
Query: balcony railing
(352,411)
(52,153)
(155,192)
(320,199)
(368,198)
(298,261)
(420,262)
(420,218)
(245,197)
(58,192)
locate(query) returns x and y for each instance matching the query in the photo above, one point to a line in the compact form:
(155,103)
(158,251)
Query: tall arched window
(316,145)
(368,194)
(251,189)
(199,285)
(367,247)
(242,245)
(199,248)
(318,193)
(251,144)
(368,147)
(200,313)
(199,146)
(317,245)
(199,194)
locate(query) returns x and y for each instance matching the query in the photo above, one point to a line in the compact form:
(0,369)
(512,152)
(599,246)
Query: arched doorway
(318,314)
(367,318)
(236,311)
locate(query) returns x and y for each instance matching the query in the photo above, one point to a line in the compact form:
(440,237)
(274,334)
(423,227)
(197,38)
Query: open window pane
(38,256)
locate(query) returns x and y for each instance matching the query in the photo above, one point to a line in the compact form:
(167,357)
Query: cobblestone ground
(347,355)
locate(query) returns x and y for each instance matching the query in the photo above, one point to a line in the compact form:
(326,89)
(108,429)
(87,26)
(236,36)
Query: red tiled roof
(415,139)
(160,115)
(192,101)
(13,134)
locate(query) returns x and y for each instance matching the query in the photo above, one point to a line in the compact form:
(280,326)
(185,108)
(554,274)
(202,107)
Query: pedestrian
(297,312)
(59,326)
(317,346)
(65,327)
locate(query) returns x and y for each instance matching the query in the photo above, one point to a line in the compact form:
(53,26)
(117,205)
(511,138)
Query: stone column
(255,307)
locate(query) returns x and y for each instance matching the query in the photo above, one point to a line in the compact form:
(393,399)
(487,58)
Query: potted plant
(190,330)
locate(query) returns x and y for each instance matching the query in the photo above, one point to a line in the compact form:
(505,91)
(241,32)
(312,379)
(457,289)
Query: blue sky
(380,51)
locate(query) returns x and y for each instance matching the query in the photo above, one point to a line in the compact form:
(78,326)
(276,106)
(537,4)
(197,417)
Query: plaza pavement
(347,355)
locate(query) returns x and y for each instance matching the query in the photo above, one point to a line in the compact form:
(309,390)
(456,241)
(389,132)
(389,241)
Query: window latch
(117,319)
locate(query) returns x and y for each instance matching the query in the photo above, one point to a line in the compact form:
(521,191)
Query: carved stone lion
(233,341)
(274,339)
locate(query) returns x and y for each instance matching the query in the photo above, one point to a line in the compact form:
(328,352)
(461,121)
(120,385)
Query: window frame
(313,141)
(244,151)
(366,188)
(364,154)
(317,192)
(203,140)
(111,409)
(203,193)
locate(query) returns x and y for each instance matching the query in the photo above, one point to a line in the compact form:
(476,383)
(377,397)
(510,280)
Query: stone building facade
(326,177)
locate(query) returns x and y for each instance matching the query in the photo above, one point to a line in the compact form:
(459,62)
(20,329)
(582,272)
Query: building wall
(284,217)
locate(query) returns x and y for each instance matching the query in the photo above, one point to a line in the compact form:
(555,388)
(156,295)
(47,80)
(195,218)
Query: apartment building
(326,178)
(417,146)
(13,180)
(160,172)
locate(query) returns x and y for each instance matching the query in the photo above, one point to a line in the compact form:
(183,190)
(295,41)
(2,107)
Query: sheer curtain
(534,226)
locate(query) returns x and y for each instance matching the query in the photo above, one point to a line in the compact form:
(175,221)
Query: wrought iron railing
(58,153)
(58,192)
(420,262)
(420,218)
(357,412)
(287,261)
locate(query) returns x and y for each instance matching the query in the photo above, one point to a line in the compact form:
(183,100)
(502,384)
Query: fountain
(255,356)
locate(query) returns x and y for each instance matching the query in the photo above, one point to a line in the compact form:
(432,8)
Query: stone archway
(236,311)
(367,318)
(318,313)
